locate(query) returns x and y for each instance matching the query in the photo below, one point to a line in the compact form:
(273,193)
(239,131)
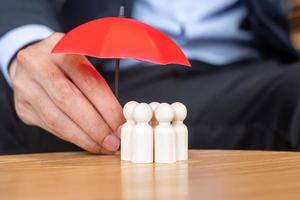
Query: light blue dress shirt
(206,30)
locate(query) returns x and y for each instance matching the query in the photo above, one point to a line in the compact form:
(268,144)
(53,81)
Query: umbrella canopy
(116,37)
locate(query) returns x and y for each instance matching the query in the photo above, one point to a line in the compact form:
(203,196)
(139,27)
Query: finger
(118,132)
(74,104)
(93,86)
(56,122)
(40,70)
(25,111)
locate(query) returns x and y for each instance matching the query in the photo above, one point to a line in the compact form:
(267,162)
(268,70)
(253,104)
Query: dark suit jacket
(267,19)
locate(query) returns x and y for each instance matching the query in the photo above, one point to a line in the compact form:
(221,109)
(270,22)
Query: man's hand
(66,96)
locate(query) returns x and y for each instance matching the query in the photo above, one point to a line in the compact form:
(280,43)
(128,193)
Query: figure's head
(180,111)
(154,105)
(164,113)
(128,109)
(142,113)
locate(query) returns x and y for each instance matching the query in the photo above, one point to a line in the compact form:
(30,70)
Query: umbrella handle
(117,73)
(117,63)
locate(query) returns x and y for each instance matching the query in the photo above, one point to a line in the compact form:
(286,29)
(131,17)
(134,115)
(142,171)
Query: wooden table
(207,175)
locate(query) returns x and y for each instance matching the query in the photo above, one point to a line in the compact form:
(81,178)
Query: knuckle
(51,119)
(56,77)
(23,55)
(88,85)
(98,131)
(94,130)
(19,81)
(31,59)
(65,93)
(23,93)
(28,54)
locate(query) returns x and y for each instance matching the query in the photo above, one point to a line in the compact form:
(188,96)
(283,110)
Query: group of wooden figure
(154,132)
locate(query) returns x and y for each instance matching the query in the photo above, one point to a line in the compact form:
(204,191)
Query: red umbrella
(116,37)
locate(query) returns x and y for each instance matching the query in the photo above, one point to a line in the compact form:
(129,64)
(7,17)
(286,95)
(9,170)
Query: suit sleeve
(16,13)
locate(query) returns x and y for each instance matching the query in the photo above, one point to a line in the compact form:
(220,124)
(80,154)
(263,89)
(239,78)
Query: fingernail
(111,143)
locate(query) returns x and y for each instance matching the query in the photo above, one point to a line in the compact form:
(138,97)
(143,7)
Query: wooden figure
(164,134)
(181,130)
(142,135)
(126,130)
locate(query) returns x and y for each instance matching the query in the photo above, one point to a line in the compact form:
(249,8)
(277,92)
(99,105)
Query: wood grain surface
(207,175)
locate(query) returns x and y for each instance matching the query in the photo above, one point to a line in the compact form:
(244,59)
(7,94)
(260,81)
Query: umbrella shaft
(117,73)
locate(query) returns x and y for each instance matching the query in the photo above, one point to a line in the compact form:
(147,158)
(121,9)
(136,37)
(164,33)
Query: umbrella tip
(122,11)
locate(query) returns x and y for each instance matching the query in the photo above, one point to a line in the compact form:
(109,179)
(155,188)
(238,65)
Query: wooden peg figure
(142,135)
(126,130)
(181,130)
(164,134)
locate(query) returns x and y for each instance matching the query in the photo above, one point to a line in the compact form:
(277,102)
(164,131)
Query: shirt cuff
(16,39)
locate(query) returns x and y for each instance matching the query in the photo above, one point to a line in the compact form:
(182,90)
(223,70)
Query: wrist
(16,39)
